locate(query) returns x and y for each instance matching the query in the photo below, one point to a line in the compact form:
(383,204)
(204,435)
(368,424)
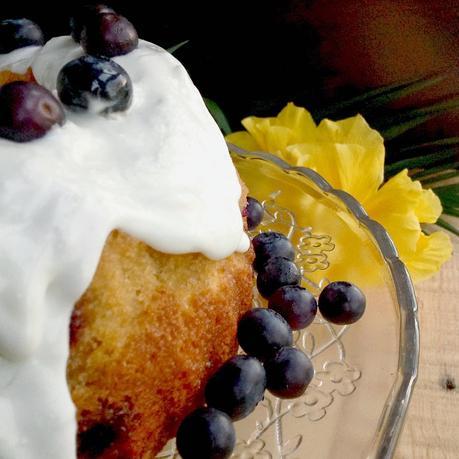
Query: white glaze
(18,61)
(159,171)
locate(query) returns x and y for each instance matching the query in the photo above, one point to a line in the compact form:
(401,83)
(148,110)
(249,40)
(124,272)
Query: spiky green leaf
(434,145)
(174,48)
(447,226)
(431,181)
(451,211)
(396,125)
(379,97)
(432,172)
(449,197)
(218,116)
(419,161)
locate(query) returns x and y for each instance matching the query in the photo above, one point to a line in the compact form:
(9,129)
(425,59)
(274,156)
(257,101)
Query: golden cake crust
(145,337)
(7,77)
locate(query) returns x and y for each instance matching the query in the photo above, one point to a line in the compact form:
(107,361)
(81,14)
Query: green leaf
(439,177)
(218,115)
(396,125)
(428,171)
(449,197)
(447,226)
(451,211)
(380,96)
(447,141)
(419,161)
(174,48)
(437,174)
(448,190)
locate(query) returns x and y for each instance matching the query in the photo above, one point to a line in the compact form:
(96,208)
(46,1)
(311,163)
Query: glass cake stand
(364,373)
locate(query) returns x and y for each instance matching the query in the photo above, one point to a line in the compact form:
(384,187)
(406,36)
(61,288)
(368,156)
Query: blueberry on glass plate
(342,303)
(254,212)
(96,84)
(262,332)
(19,33)
(276,273)
(27,111)
(295,304)
(237,387)
(206,433)
(270,245)
(289,373)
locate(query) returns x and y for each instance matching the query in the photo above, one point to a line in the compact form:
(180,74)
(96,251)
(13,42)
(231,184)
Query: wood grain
(431,429)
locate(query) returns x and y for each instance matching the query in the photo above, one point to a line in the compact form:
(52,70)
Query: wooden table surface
(432,426)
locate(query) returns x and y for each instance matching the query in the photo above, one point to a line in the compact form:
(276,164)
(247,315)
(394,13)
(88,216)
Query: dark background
(252,57)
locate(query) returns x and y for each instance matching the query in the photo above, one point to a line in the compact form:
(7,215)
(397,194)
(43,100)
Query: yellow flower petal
(431,252)
(243,140)
(278,138)
(299,120)
(338,163)
(400,205)
(349,238)
(398,194)
(334,149)
(411,196)
(429,207)
(350,155)
(351,130)
(257,128)
(321,158)
(292,125)
(394,207)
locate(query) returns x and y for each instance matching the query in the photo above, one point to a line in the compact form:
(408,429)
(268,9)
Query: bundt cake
(122,235)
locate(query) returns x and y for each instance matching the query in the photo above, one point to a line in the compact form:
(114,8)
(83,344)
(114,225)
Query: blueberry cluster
(265,335)
(90,83)
(237,387)
(278,281)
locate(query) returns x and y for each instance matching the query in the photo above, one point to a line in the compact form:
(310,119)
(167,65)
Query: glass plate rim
(394,412)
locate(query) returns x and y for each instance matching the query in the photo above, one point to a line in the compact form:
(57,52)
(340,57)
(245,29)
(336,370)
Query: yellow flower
(350,155)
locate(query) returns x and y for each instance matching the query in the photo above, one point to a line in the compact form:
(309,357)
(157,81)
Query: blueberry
(27,111)
(82,15)
(94,441)
(19,33)
(262,332)
(276,273)
(295,304)
(94,83)
(289,373)
(269,245)
(237,387)
(206,433)
(342,303)
(254,213)
(109,35)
